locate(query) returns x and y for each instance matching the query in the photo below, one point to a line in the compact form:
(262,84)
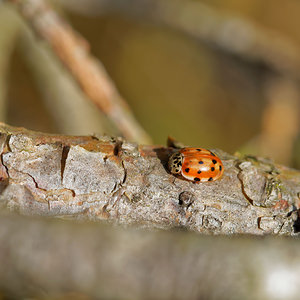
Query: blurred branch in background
(9,27)
(228,32)
(67,104)
(281,119)
(73,51)
(93,261)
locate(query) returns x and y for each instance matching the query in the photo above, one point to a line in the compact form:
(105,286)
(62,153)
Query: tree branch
(55,259)
(124,183)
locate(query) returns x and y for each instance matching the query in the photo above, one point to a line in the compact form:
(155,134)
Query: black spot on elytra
(212,169)
(212,153)
(214,161)
(198,149)
(196,179)
(220,168)
(210,179)
(200,162)
(199,172)
(187,170)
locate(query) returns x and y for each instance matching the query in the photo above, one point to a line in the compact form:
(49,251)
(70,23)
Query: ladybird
(196,164)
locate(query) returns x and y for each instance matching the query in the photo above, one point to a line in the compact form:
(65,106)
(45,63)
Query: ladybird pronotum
(196,164)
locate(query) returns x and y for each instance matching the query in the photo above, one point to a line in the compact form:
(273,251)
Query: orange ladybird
(196,164)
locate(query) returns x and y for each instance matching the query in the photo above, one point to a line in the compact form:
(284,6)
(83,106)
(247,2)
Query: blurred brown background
(216,74)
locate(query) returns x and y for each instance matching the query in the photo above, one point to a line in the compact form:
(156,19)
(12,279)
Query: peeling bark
(110,179)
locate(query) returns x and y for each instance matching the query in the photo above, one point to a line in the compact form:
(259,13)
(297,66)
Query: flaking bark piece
(89,172)
(38,164)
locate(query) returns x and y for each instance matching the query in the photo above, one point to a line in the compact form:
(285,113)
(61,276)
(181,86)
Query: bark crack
(64,157)
(239,176)
(125,173)
(3,164)
(118,147)
(6,143)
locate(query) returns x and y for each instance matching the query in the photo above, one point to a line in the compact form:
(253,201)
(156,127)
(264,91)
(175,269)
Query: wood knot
(186,198)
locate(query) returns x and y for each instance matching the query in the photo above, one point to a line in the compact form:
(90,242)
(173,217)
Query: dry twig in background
(280,124)
(226,31)
(73,52)
(9,26)
(69,107)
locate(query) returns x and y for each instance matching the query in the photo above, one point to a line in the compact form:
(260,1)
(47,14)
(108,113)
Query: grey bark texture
(107,179)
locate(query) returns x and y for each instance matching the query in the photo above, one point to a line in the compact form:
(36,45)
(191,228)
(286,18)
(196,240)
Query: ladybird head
(175,163)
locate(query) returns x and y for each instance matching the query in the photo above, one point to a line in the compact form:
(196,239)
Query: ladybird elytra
(196,164)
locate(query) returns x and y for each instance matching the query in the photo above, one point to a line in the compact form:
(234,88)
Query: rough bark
(124,183)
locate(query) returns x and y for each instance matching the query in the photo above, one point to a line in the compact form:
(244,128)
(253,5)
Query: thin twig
(9,27)
(73,51)
(68,106)
(280,123)
(227,31)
